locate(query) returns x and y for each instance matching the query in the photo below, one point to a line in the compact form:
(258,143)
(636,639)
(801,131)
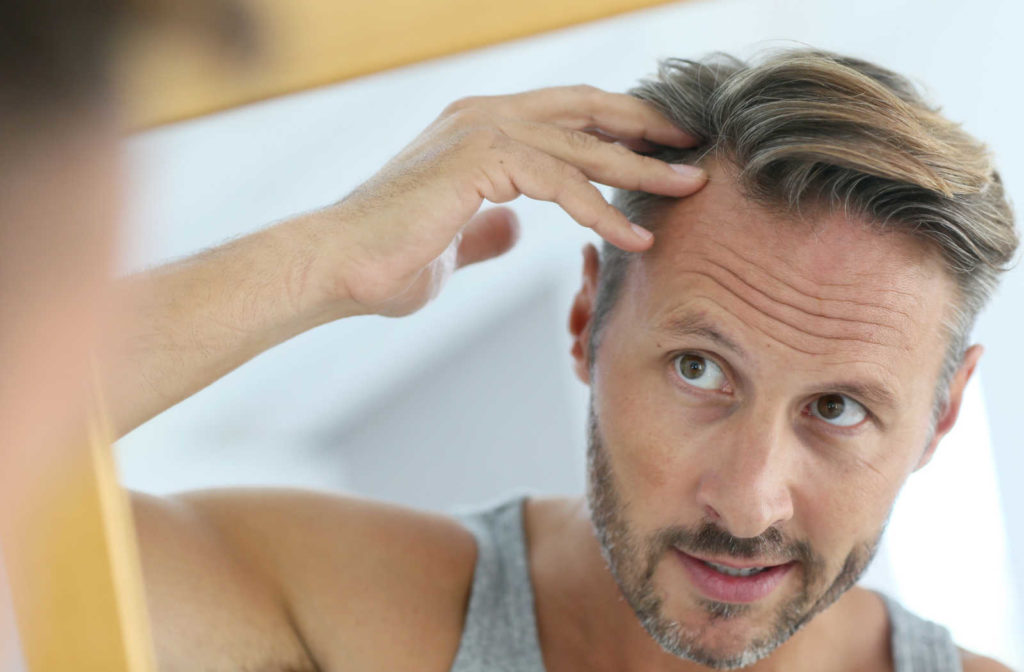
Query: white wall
(472,398)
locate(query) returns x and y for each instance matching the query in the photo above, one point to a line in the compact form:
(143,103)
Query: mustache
(771,546)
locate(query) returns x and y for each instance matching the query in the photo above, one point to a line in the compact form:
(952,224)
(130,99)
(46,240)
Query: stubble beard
(633,563)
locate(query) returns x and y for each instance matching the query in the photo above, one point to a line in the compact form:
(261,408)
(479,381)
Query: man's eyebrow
(698,324)
(681,325)
(874,394)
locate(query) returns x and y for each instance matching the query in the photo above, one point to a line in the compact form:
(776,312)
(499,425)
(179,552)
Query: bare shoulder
(360,584)
(973,662)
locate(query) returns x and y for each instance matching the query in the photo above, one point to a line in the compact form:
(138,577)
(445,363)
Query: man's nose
(745,487)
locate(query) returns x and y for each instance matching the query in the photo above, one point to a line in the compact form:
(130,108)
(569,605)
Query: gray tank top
(500,634)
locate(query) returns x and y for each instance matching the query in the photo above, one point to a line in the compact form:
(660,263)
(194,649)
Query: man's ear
(950,412)
(582,313)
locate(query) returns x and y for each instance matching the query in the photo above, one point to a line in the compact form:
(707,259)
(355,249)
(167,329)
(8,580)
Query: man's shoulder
(973,662)
(367,581)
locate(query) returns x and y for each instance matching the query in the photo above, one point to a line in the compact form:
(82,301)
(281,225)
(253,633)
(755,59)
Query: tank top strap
(500,633)
(919,645)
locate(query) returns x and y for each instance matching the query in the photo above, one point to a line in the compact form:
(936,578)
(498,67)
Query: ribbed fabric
(500,634)
(919,645)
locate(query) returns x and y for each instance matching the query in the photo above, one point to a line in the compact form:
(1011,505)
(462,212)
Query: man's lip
(714,584)
(732,563)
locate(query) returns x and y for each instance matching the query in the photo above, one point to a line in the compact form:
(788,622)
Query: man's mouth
(735,582)
(732,571)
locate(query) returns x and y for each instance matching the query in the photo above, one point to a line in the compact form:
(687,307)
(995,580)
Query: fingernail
(641,232)
(687,170)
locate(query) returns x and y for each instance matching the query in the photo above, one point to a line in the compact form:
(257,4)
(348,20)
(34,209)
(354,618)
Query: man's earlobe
(582,312)
(951,411)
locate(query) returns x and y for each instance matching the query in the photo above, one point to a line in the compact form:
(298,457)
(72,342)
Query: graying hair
(808,129)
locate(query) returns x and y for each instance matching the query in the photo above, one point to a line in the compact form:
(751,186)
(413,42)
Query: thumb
(488,234)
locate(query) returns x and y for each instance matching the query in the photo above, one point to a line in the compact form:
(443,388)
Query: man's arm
(294,581)
(288,581)
(186,324)
(389,247)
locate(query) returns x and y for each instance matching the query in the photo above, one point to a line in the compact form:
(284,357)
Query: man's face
(762,389)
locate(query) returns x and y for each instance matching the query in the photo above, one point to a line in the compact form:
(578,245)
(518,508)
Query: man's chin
(721,635)
(719,644)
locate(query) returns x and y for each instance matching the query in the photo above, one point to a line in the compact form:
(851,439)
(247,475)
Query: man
(763,377)
(765,374)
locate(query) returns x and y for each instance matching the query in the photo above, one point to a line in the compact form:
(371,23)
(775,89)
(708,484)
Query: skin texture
(284,580)
(790,312)
(318,578)
(389,247)
(321,576)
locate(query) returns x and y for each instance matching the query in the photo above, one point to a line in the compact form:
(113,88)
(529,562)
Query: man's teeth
(732,571)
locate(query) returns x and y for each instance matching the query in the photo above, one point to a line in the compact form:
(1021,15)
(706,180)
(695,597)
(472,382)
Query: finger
(608,163)
(635,145)
(525,170)
(585,107)
(488,234)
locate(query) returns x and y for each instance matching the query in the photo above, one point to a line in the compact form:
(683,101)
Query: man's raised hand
(389,246)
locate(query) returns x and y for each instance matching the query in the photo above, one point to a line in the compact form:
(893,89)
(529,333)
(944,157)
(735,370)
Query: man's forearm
(389,247)
(186,324)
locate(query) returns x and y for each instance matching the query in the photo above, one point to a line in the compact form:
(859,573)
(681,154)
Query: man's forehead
(816,253)
(831,285)
(814,247)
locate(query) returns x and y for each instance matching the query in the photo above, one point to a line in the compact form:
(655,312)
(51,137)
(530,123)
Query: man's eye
(838,410)
(700,372)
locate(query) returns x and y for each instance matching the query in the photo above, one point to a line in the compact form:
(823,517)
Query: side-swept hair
(812,130)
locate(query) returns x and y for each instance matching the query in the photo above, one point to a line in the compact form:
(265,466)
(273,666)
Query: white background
(472,398)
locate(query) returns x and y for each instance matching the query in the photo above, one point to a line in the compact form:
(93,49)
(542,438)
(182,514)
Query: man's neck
(583,621)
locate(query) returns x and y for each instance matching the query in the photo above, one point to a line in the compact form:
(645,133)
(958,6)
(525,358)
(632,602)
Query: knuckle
(586,90)
(575,188)
(585,217)
(573,175)
(584,141)
(648,164)
(623,153)
(460,105)
(581,141)
(483,137)
(469,117)
(597,221)
(473,134)
(590,98)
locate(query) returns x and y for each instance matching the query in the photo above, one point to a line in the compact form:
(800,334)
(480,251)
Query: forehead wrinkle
(884,372)
(877,392)
(911,298)
(841,248)
(698,323)
(889,387)
(830,318)
(799,332)
(825,356)
(758,328)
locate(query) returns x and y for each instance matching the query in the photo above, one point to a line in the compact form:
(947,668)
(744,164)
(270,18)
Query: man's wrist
(314,278)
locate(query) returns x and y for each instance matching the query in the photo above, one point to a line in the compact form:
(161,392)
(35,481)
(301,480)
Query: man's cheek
(841,518)
(651,442)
